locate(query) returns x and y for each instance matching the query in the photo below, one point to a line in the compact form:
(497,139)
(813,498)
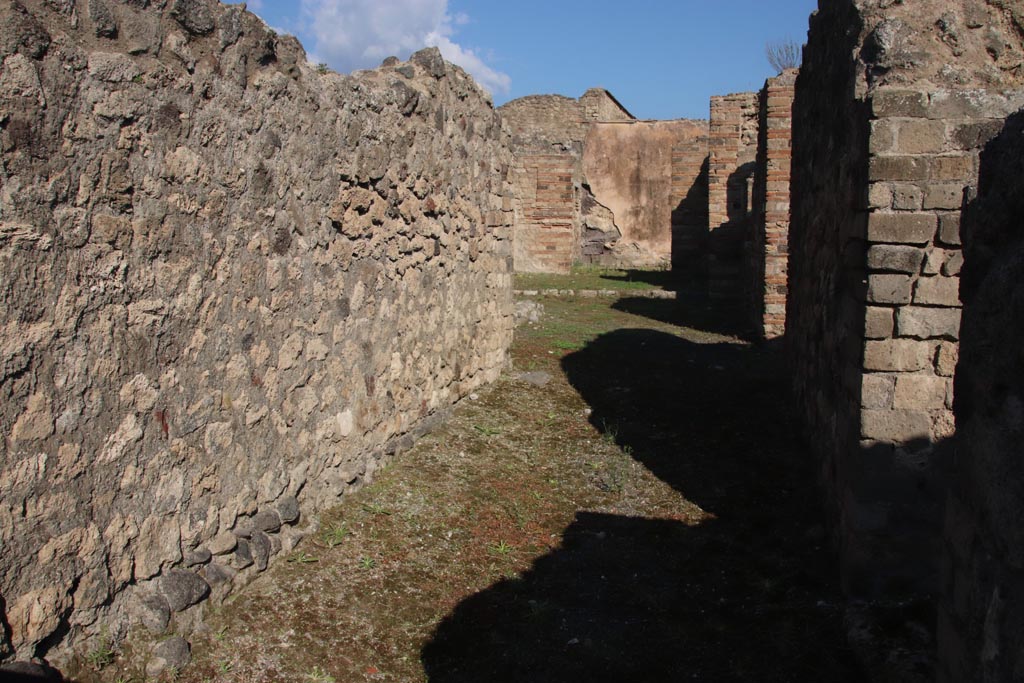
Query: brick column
(770,247)
(732,150)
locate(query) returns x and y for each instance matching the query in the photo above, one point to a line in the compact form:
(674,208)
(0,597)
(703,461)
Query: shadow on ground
(690,309)
(748,595)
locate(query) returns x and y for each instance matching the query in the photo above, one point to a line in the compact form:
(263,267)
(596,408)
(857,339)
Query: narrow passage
(645,515)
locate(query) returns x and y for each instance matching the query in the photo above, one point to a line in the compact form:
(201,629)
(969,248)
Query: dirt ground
(647,515)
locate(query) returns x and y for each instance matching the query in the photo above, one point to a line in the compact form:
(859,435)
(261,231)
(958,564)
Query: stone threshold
(595,293)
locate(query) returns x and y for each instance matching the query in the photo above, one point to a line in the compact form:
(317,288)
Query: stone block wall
(232,287)
(769,244)
(732,152)
(884,145)
(981,615)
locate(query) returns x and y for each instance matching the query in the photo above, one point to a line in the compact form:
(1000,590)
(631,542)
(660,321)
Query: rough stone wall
(981,617)
(642,172)
(769,253)
(886,132)
(231,288)
(732,151)
(598,105)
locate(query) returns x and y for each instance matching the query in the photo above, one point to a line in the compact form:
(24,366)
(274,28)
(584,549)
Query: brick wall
(547,227)
(981,616)
(732,150)
(690,202)
(769,252)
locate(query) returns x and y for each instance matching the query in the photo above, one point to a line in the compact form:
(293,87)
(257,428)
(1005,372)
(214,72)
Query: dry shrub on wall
(786,54)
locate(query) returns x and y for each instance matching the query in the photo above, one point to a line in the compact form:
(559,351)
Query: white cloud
(359,34)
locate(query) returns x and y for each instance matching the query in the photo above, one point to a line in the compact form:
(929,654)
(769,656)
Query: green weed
(303,558)
(333,536)
(318,675)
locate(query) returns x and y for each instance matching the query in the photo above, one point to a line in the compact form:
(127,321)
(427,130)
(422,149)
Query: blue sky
(660,58)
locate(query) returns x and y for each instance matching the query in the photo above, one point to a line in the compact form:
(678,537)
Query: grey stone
(182,589)
(243,528)
(260,548)
(430,60)
(217,574)
(171,654)
(895,258)
(288,509)
(537,378)
(243,555)
(223,543)
(153,612)
(928,323)
(197,557)
(194,16)
(266,520)
(103,19)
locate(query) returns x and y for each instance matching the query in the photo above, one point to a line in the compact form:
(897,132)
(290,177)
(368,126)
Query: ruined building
(593,185)
(234,286)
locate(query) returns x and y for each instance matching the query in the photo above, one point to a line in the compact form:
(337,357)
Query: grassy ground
(589,277)
(646,516)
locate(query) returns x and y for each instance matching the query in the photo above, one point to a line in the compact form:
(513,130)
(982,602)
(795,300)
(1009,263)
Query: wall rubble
(232,288)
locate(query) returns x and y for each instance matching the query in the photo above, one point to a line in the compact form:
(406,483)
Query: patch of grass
(303,558)
(487,431)
(376,509)
(367,563)
(593,277)
(318,675)
(102,655)
(334,535)
(501,548)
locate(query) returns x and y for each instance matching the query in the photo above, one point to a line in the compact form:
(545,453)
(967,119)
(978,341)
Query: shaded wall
(884,144)
(732,151)
(981,617)
(232,287)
